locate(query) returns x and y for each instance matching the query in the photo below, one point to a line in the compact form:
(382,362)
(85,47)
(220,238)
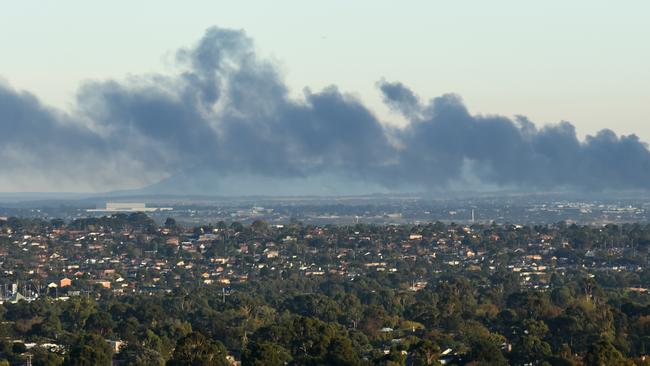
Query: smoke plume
(228,112)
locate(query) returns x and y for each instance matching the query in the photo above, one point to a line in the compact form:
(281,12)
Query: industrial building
(128,207)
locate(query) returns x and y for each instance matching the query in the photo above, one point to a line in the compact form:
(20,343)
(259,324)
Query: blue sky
(581,61)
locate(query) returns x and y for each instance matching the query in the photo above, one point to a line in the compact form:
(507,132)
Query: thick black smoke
(229,113)
(446,138)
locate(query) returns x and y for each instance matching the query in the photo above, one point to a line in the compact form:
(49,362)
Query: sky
(580,61)
(89,66)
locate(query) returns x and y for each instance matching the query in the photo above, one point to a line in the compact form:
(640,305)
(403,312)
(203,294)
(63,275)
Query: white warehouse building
(128,207)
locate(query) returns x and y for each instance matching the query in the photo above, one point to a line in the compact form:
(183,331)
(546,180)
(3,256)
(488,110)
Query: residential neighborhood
(126,255)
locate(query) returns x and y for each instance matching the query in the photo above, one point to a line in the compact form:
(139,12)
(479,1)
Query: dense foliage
(478,313)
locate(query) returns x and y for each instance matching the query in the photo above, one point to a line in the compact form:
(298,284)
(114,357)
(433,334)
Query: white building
(128,207)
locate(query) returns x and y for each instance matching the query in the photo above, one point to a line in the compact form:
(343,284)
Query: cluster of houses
(61,262)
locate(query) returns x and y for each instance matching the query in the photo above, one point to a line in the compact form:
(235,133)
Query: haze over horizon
(226,119)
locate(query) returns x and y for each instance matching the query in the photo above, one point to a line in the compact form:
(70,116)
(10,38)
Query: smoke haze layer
(227,113)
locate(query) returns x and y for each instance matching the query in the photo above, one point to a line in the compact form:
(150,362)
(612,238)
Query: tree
(340,352)
(100,322)
(424,353)
(50,327)
(393,358)
(90,350)
(259,226)
(137,355)
(196,350)
(170,223)
(603,353)
(77,310)
(57,223)
(530,349)
(265,354)
(46,358)
(237,226)
(484,351)
(314,305)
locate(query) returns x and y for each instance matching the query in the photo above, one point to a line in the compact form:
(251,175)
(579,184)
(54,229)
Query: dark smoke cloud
(513,153)
(229,113)
(400,98)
